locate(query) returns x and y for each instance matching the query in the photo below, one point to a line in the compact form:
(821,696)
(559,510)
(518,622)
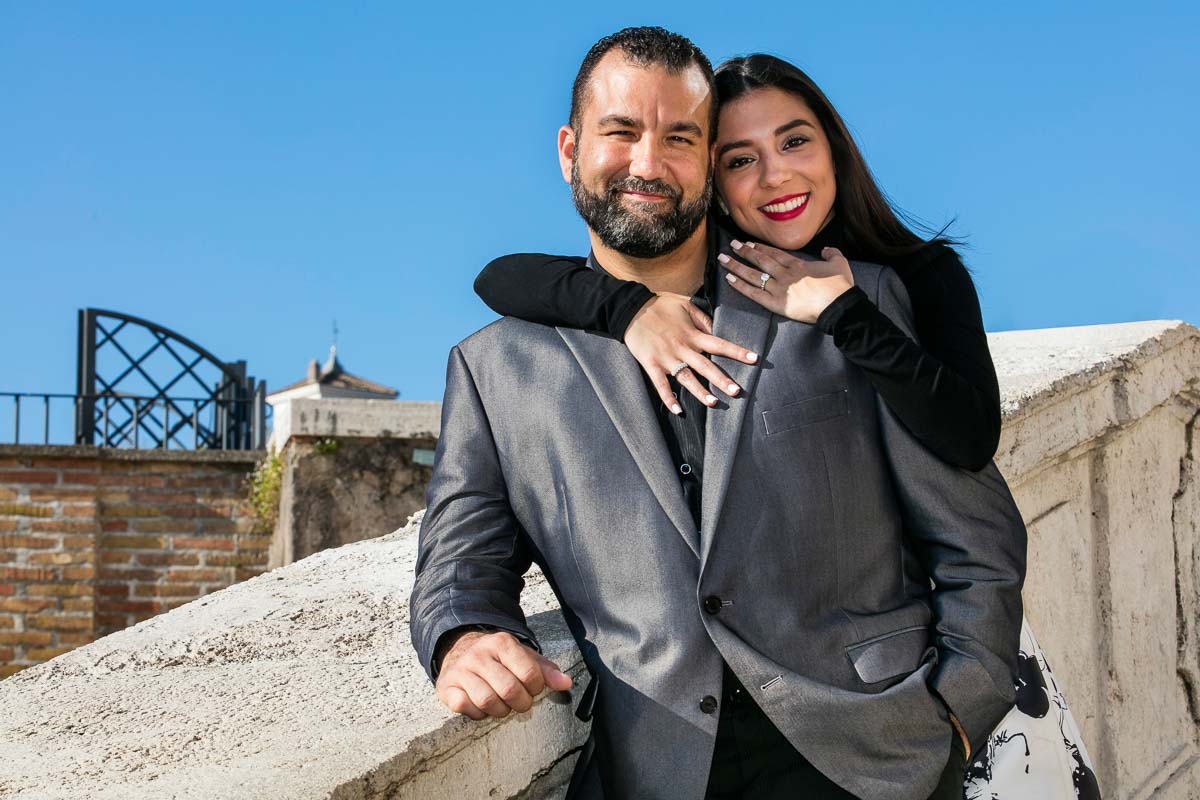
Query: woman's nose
(774,173)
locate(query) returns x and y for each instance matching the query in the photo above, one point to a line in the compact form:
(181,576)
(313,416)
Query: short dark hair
(645,46)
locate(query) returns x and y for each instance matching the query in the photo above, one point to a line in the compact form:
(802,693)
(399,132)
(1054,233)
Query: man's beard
(639,235)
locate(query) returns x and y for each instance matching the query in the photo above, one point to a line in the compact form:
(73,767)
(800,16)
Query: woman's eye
(739,161)
(794,141)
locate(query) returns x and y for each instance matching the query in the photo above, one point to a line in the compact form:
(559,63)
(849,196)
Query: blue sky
(246,173)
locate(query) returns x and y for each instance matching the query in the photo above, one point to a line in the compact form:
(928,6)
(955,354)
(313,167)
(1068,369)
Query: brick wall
(92,541)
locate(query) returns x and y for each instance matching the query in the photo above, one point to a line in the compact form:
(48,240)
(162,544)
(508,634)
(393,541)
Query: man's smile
(644,197)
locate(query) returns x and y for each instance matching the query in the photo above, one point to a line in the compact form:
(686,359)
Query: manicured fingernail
(731,277)
(709,399)
(735,244)
(675,409)
(752,357)
(724,259)
(751,244)
(733,388)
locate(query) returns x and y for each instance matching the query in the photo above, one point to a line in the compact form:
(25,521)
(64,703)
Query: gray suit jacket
(824,525)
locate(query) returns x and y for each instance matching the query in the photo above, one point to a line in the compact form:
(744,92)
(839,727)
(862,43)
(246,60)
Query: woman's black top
(944,389)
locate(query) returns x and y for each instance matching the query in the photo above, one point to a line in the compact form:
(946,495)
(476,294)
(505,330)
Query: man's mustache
(635,184)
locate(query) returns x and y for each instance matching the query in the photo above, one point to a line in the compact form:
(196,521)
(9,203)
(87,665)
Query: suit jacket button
(712,604)
(709,704)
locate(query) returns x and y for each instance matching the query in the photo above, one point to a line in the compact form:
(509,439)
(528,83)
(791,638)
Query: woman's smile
(787,207)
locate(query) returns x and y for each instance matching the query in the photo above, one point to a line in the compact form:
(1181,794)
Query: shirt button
(686,469)
(709,704)
(712,604)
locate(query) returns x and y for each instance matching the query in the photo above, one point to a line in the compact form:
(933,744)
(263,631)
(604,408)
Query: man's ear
(566,150)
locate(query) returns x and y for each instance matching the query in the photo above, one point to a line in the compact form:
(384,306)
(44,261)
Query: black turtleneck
(944,389)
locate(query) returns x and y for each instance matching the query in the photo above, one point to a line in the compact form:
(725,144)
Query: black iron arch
(192,401)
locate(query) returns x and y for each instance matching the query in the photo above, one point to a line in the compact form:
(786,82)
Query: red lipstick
(780,216)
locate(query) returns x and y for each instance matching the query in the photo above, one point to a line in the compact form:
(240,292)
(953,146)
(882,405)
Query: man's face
(639,164)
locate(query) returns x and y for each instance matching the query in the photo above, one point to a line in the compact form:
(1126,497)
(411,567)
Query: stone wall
(1104,471)
(302,683)
(352,470)
(93,540)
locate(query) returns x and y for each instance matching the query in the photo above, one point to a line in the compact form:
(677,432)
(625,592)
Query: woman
(790,178)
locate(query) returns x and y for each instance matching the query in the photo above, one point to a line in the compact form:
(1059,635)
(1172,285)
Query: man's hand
(491,674)
(962,735)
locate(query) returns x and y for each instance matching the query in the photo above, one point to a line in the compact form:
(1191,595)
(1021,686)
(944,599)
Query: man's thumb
(555,678)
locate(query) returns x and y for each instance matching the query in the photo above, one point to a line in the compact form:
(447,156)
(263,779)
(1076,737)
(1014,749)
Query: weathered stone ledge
(301,683)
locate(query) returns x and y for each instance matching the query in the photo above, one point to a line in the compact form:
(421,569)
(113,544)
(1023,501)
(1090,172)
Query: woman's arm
(560,290)
(944,389)
(669,329)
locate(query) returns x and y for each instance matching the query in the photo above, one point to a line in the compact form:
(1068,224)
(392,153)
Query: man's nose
(646,159)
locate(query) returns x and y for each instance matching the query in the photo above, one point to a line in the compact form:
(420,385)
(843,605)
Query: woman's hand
(797,289)
(669,330)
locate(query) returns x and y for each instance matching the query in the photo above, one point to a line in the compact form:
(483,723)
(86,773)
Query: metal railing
(139,422)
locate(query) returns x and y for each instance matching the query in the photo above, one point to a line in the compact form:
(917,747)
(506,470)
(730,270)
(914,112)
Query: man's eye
(794,141)
(620,133)
(681,139)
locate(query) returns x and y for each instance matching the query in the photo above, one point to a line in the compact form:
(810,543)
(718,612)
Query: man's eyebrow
(685,127)
(784,128)
(619,121)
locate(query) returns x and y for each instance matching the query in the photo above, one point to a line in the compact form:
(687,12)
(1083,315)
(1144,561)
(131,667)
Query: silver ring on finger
(763,278)
(678,368)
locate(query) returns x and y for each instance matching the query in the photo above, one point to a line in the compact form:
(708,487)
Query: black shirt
(944,389)
(684,432)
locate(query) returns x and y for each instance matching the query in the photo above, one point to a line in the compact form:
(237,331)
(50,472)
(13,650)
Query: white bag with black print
(1036,752)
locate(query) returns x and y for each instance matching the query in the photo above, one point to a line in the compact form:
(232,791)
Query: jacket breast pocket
(801,413)
(896,653)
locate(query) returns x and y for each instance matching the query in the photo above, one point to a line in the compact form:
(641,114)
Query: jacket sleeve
(971,538)
(943,389)
(560,290)
(471,551)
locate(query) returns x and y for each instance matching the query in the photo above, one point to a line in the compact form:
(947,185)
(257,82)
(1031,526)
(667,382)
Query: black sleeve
(560,290)
(944,389)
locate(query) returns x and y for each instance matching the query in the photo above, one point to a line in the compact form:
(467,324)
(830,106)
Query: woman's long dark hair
(872,228)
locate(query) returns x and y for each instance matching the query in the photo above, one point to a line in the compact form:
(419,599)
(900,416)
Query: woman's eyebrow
(725,148)
(784,128)
(796,123)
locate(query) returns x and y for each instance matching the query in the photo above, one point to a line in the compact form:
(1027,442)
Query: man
(774,552)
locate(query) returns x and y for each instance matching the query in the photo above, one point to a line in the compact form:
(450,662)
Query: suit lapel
(617,379)
(743,322)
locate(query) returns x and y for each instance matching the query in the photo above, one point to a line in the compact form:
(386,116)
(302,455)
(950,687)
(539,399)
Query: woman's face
(774,168)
